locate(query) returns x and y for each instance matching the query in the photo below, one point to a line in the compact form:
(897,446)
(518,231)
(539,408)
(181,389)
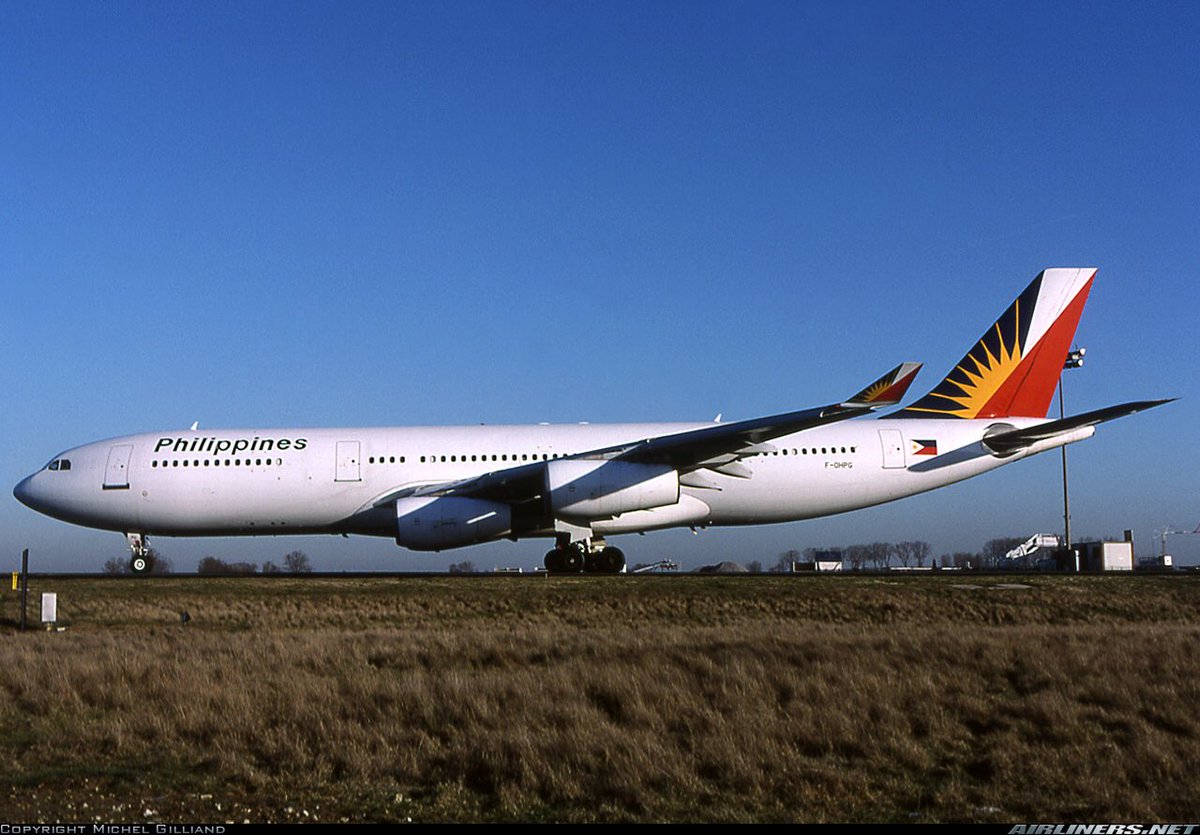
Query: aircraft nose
(24,492)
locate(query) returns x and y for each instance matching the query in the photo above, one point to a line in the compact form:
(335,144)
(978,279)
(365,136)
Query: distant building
(1105,556)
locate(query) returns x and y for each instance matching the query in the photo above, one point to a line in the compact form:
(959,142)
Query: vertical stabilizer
(1014,367)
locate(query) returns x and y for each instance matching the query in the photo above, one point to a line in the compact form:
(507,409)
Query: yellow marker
(16,574)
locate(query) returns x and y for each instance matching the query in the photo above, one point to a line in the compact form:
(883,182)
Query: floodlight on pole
(1074,360)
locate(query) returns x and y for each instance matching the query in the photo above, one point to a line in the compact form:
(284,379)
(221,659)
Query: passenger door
(116,472)
(349,461)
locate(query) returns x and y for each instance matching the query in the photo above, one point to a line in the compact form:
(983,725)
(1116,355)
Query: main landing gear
(586,556)
(142,559)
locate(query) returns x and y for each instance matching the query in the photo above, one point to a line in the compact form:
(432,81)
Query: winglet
(888,390)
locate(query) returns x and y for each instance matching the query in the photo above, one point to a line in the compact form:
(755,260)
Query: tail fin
(1013,368)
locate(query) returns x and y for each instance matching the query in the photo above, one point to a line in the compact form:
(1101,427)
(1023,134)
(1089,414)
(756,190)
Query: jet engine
(436,523)
(584,489)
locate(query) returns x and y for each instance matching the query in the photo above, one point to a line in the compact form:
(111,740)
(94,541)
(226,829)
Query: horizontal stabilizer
(1017,439)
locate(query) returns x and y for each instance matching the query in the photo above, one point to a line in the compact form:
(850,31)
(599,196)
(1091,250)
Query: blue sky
(261,214)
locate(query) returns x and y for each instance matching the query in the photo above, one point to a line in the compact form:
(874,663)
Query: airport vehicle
(436,488)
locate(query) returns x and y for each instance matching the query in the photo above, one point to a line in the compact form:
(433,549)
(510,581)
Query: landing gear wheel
(610,560)
(572,559)
(553,561)
(141,560)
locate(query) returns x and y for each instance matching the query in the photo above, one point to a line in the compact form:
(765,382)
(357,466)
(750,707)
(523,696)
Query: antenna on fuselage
(195,425)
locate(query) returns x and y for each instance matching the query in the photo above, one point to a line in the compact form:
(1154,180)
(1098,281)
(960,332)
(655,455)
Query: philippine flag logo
(924,447)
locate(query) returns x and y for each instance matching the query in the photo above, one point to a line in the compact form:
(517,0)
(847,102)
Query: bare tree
(213,566)
(754,567)
(910,553)
(857,556)
(921,552)
(116,565)
(784,563)
(271,568)
(297,562)
(961,559)
(464,567)
(880,554)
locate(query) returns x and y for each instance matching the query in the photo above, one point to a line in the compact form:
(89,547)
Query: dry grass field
(944,697)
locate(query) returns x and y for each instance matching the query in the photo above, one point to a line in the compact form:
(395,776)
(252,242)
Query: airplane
(438,488)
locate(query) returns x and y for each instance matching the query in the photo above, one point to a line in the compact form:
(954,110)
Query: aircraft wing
(691,450)
(1018,439)
(717,447)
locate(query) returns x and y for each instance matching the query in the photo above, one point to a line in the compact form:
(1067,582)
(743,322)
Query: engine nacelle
(436,523)
(602,489)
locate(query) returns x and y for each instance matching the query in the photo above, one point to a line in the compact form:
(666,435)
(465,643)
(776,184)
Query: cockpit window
(60,464)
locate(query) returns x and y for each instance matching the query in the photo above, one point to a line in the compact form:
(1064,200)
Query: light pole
(1074,360)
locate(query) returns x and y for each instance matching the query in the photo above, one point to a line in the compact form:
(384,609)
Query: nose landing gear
(142,558)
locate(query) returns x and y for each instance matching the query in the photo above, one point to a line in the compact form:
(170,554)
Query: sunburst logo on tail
(971,385)
(1013,368)
(981,373)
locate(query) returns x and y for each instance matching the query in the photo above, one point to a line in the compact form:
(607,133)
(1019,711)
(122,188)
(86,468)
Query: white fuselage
(303,481)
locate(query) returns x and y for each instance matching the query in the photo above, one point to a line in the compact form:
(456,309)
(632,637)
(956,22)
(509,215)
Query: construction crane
(1169,531)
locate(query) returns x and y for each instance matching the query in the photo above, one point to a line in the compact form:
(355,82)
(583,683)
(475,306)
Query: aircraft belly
(243,502)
